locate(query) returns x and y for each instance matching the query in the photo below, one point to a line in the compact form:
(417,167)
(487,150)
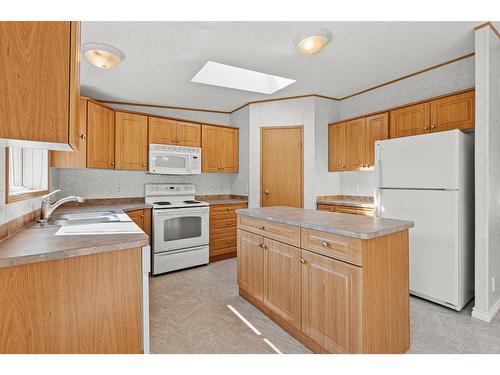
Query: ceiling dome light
(312,42)
(102,55)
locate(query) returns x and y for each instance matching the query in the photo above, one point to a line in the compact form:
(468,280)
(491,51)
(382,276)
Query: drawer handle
(262,246)
(302,261)
(261,227)
(325,244)
(229,223)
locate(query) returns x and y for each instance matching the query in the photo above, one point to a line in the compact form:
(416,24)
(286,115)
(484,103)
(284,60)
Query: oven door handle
(174,212)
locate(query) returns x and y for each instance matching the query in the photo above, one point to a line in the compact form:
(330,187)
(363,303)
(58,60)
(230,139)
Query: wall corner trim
(486,316)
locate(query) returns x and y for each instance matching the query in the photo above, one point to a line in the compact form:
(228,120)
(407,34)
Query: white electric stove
(180,227)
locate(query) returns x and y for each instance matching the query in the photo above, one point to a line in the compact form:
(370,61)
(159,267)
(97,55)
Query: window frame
(11,198)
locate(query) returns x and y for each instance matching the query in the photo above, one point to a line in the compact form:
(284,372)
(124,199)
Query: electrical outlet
(493,283)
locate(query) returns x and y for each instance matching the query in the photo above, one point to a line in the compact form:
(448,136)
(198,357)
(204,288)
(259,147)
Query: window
(28,173)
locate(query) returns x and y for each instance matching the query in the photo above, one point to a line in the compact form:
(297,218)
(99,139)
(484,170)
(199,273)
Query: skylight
(233,77)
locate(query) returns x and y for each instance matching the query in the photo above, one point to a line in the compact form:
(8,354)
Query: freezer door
(427,161)
(434,240)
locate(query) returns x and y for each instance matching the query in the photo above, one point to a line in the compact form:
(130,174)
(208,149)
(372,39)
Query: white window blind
(28,170)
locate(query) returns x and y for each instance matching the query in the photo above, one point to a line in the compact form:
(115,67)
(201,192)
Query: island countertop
(356,226)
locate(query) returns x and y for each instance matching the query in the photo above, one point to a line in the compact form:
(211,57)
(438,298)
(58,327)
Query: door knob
(267,191)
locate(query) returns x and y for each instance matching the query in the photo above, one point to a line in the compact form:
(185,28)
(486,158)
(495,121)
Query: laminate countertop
(213,200)
(346,200)
(36,244)
(356,226)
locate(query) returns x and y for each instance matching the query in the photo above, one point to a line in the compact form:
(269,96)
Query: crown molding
(490,25)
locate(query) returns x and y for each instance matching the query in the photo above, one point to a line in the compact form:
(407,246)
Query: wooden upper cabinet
(162,131)
(188,134)
(282,281)
(219,149)
(411,120)
(77,158)
(131,144)
(39,76)
(377,128)
(331,309)
(452,112)
(336,147)
(229,149)
(251,264)
(355,148)
(100,136)
(172,132)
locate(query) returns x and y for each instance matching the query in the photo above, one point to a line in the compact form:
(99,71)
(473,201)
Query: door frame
(301,127)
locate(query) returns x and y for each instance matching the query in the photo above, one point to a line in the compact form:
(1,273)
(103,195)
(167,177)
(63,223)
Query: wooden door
(411,120)
(131,146)
(210,149)
(77,158)
(162,131)
(188,134)
(281,166)
(100,136)
(39,81)
(453,112)
(229,149)
(282,280)
(377,128)
(336,147)
(331,308)
(355,149)
(250,256)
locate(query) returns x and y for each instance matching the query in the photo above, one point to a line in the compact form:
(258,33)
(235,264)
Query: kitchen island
(74,293)
(337,282)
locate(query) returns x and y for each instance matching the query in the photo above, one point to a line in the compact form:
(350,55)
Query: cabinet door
(355,149)
(411,120)
(453,112)
(210,149)
(131,141)
(162,131)
(331,308)
(282,280)
(77,158)
(251,263)
(137,217)
(229,149)
(100,136)
(39,81)
(377,128)
(336,147)
(188,134)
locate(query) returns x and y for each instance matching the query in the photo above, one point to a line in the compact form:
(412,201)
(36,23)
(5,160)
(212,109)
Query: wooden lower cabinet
(282,280)
(143,220)
(223,231)
(88,304)
(333,301)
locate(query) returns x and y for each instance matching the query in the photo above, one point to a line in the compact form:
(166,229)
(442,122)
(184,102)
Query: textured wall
(241,119)
(487,174)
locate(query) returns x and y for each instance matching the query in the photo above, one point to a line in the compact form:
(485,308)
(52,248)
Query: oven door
(165,162)
(179,228)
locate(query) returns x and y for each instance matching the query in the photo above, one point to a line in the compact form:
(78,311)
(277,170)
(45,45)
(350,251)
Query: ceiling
(162,57)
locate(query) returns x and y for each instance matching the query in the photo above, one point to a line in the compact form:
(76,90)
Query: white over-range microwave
(165,159)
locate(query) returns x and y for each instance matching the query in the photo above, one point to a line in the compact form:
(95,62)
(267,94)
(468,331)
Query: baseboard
(486,316)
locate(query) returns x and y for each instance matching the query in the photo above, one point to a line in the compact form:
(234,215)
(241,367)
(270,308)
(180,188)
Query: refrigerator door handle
(378,165)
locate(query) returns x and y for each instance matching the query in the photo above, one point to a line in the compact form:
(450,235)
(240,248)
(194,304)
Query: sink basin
(80,218)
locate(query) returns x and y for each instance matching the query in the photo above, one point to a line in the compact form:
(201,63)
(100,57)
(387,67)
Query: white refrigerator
(429,179)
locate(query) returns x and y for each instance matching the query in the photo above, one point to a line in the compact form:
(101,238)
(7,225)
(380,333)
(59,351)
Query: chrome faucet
(48,208)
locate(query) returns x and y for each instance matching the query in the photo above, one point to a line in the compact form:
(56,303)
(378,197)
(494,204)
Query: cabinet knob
(261,245)
(144,164)
(228,223)
(433,126)
(142,216)
(112,163)
(83,136)
(229,209)
(302,261)
(228,242)
(267,191)
(261,227)
(426,127)
(324,244)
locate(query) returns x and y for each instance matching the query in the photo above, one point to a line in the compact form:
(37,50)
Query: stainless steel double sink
(80,218)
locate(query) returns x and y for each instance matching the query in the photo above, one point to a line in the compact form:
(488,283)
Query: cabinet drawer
(354,210)
(229,209)
(326,207)
(331,245)
(222,243)
(289,234)
(222,223)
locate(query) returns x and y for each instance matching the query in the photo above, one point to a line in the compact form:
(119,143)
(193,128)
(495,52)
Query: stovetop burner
(190,201)
(162,203)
